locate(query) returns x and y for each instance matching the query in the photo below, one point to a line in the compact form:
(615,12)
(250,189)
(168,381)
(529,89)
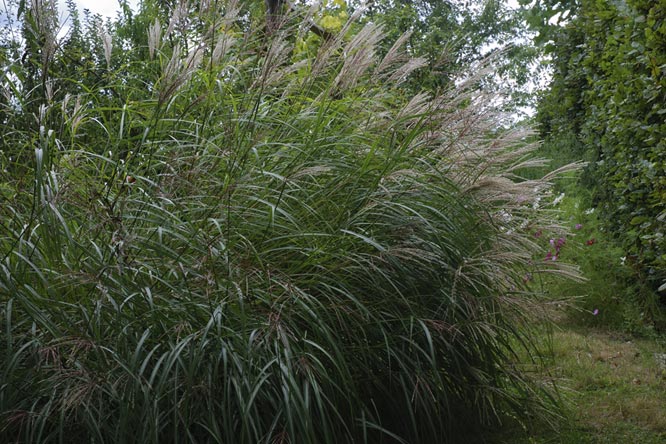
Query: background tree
(452,35)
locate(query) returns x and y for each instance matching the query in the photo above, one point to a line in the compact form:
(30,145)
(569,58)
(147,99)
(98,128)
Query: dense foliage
(607,102)
(217,231)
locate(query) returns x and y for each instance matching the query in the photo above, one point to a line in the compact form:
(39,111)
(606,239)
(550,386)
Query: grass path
(614,385)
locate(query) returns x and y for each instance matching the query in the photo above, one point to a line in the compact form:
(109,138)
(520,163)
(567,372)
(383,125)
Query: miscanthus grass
(227,240)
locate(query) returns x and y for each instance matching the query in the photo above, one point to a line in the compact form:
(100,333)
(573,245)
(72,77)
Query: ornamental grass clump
(222,246)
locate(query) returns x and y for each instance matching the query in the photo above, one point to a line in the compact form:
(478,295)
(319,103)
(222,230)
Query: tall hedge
(609,90)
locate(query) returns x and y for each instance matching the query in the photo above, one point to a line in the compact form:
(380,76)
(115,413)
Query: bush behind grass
(254,248)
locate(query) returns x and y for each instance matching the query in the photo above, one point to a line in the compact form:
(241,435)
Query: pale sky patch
(105,8)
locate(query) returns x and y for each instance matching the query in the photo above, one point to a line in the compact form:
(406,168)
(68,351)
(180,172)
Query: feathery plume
(394,55)
(178,71)
(107,43)
(178,15)
(44,27)
(154,37)
(224,42)
(400,74)
(359,55)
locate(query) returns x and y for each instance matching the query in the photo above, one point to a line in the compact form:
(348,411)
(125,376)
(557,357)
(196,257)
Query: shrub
(231,244)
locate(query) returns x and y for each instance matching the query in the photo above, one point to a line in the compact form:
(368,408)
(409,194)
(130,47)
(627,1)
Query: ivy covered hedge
(609,90)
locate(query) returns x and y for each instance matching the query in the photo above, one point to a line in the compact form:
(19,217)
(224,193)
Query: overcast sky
(104,7)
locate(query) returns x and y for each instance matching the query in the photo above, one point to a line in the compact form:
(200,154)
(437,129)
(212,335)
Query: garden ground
(613,383)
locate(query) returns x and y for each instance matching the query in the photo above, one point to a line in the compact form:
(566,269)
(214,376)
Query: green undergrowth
(614,294)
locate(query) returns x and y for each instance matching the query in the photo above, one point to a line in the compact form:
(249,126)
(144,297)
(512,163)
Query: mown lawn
(613,385)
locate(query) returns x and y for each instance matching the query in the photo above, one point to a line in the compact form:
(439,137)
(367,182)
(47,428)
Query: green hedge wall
(609,89)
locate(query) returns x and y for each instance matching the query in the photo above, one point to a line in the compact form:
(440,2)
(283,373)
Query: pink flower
(550,256)
(538,234)
(579,226)
(560,243)
(595,312)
